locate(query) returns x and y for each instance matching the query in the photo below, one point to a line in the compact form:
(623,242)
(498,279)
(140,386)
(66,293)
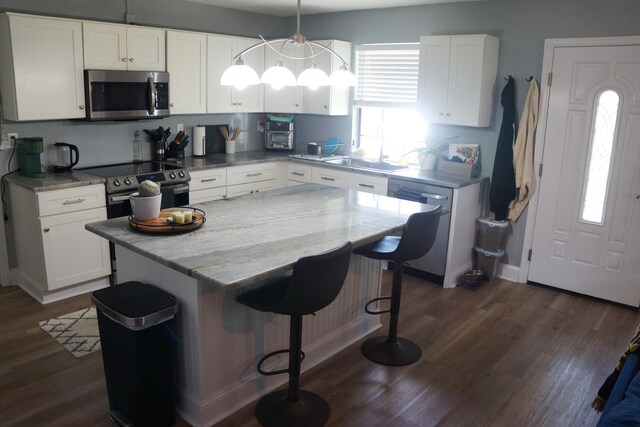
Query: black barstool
(417,239)
(315,282)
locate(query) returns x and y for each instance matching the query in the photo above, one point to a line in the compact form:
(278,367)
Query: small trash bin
(135,322)
(491,234)
(487,261)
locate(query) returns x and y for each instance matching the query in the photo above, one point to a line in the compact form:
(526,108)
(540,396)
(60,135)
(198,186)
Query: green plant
(148,189)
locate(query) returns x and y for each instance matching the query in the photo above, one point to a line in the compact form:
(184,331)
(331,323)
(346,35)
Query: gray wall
(521,25)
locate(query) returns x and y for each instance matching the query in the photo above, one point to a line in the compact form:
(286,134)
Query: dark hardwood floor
(504,355)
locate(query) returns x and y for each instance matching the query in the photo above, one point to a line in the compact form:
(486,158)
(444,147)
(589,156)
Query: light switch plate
(179,127)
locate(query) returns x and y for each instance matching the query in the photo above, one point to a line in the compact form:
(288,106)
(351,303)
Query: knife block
(175,153)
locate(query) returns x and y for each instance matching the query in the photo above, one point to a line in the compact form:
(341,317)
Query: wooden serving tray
(164,225)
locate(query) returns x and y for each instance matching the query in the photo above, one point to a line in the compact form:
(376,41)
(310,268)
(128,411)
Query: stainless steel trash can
(139,352)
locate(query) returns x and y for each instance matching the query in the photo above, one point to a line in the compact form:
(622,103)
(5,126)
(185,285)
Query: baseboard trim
(508,272)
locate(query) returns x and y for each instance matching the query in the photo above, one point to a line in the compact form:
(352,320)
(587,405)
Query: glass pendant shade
(239,76)
(313,78)
(342,78)
(278,76)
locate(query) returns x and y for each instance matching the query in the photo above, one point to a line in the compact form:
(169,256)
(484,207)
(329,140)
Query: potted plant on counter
(433,148)
(145,204)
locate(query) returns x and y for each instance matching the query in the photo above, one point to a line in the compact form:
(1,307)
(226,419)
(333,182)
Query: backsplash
(102,143)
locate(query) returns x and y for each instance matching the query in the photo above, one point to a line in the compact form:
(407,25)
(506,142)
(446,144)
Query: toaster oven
(278,136)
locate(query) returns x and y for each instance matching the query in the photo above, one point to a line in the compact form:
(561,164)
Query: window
(387,124)
(602,139)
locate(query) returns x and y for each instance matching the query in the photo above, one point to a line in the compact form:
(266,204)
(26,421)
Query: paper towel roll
(199,140)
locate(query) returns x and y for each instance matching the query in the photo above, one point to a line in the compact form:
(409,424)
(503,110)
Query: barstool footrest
(388,352)
(273,353)
(366,307)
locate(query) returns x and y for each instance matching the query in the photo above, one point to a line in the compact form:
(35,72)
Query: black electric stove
(126,177)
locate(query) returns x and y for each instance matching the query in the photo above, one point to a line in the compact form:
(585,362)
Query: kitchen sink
(358,163)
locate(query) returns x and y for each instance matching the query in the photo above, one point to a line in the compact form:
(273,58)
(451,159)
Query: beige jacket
(523,153)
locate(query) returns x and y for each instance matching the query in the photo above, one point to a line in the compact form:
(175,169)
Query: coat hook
(507,78)
(529,78)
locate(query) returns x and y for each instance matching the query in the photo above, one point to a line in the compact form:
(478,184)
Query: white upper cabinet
(457,76)
(123,47)
(187,67)
(227,99)
(329,100)
(287,99)
(41,75)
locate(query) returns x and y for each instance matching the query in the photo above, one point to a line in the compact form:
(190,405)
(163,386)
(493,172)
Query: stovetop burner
(128,169)
(126,177)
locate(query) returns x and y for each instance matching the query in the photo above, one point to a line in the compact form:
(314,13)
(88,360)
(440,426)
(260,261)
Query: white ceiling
(289,7)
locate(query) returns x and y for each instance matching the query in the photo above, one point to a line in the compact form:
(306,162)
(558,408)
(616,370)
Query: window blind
(387,75)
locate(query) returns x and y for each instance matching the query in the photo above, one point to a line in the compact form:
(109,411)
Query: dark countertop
(55,181)
(58,181)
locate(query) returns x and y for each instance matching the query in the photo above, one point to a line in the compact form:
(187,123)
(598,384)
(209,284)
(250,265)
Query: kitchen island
(244,242)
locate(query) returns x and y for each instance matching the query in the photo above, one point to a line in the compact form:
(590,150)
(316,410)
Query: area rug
(77,332)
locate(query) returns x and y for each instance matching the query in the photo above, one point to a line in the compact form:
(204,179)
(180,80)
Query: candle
(187,216)
(178,217)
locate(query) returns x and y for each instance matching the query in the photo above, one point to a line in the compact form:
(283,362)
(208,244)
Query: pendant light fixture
(240,75)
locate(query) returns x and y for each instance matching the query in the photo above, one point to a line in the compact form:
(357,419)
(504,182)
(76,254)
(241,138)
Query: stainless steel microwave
(126,95)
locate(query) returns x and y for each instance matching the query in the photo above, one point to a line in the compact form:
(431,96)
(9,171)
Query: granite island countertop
(249,239)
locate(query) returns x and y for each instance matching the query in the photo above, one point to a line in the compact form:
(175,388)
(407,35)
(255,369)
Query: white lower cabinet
(331,177)
(248,179)
(71,253)
(368,183)
(60,253)
(207,185)
(298,174)
(252,187)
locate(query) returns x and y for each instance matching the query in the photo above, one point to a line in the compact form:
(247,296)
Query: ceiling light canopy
(240,75)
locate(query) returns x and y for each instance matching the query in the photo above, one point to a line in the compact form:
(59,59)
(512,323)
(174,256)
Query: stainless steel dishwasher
(431,266)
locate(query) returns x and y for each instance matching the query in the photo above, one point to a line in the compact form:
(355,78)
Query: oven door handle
(119,198)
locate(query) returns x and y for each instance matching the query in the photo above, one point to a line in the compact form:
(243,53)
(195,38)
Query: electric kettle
(63,156)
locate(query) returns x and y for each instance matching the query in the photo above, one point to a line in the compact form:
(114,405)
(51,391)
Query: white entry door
(587,224)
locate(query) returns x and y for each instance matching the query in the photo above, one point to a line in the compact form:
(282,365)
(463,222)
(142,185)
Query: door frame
(547,64)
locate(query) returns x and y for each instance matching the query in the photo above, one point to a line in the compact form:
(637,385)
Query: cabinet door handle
(254,174)
(71,202)
(130,59)
(297,173)
(208,179)
(448,114)
(366,185)
(81,107)
(124,59)
(224,196)
(326,178)
(171,105)
(433,196)
(46,230)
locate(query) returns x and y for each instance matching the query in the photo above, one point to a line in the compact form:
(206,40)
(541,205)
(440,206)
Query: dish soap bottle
(137,147)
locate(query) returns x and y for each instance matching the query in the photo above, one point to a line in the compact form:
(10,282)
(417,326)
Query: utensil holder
(230,147)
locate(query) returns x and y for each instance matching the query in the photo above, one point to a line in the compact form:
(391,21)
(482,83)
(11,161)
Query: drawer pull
(72,202)
(208,179)
(434,196)
(366,185)
(326,178)
(297,173)
(46,230)
(254,174)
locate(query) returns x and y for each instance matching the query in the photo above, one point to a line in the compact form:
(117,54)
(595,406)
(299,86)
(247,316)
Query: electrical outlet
(10,142)
(180,127)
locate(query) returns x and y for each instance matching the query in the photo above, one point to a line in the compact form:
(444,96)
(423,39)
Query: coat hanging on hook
(503,181)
